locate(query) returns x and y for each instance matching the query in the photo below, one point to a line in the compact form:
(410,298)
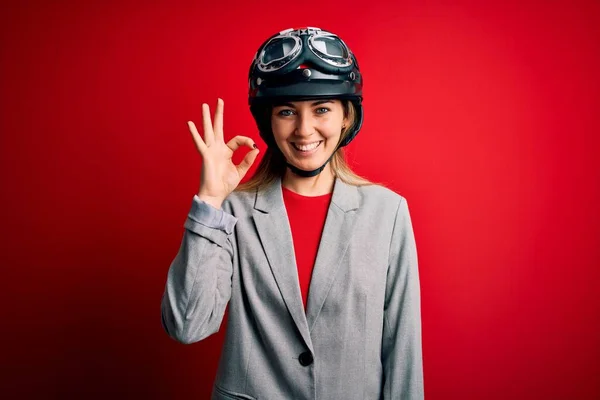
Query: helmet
(303,64)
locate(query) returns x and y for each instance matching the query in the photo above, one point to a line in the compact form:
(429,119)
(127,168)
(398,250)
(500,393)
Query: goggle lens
(330,46)
(278,48)
(330,49)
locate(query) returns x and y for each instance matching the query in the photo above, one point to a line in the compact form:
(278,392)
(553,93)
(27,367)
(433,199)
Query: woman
(317,265)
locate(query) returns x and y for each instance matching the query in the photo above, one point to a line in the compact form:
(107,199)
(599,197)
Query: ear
(345,122)
(345,111)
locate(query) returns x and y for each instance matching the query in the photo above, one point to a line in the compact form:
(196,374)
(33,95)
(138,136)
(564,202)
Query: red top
(307,218)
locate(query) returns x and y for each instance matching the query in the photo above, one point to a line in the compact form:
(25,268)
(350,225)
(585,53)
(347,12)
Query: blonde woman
(317,265)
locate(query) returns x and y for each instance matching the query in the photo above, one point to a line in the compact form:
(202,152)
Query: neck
(311,186)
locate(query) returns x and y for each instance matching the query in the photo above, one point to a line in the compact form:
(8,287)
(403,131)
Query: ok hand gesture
(220,176)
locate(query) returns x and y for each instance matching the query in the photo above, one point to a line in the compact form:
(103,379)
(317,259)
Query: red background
(485,117)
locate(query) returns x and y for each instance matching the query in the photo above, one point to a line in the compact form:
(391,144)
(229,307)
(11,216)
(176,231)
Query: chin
(305,167)
(308,165)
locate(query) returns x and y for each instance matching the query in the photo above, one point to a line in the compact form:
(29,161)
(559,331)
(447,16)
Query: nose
(305,126)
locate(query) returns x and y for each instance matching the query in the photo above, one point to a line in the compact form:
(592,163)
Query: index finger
(239,141)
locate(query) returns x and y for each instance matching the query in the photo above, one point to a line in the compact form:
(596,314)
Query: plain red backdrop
(484,115)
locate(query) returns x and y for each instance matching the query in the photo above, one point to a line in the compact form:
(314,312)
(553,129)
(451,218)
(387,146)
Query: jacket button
(306,358)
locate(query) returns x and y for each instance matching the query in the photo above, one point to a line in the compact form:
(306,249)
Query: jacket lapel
(334,243)
(273,228)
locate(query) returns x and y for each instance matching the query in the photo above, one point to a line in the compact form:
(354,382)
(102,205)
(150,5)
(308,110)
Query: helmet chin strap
(306,174)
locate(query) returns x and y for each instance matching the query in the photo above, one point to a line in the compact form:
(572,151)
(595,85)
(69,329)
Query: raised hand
(220,176)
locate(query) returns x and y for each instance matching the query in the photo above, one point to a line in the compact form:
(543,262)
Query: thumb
(247,162)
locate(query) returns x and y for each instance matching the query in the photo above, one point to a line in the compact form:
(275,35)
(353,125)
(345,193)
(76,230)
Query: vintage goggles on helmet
(293,47)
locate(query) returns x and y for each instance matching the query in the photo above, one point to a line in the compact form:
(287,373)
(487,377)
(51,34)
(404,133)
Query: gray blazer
(360,337)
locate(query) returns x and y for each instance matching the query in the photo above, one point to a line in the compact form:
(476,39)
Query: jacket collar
(345,196)
(272,224)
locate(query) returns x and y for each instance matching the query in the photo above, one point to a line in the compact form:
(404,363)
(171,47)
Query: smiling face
(307,132)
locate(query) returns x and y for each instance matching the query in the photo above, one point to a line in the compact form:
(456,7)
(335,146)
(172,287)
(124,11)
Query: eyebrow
(316,103)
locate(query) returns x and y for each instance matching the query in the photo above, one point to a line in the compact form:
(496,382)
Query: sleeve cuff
(205,214)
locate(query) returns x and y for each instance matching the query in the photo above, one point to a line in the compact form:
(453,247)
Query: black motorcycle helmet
(303,64)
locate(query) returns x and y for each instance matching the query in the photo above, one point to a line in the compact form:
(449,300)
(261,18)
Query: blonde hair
(273,164)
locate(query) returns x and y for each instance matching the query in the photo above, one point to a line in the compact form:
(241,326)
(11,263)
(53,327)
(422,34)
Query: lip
(305,153)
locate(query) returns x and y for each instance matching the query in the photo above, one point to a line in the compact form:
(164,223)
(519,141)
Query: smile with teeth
(306,147)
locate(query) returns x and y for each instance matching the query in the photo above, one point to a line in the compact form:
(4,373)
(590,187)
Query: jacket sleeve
(198,284)
(401,351)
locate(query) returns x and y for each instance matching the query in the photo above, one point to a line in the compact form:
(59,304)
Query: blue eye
(285,113)
(322,110)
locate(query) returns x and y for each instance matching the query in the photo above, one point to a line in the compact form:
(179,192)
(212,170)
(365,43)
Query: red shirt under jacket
(307,218)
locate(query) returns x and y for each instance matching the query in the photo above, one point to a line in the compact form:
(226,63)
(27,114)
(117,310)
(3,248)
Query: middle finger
(218,121)
(209,136)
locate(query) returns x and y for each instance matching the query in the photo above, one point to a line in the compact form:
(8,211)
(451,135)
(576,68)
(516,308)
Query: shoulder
(242,196)
(379,196)
(240,203)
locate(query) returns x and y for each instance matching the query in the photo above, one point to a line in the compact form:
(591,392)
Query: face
(307,132)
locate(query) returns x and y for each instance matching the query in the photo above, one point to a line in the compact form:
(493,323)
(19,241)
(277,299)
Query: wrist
(213,201)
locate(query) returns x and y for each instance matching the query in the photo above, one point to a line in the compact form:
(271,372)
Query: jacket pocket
(222,394)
